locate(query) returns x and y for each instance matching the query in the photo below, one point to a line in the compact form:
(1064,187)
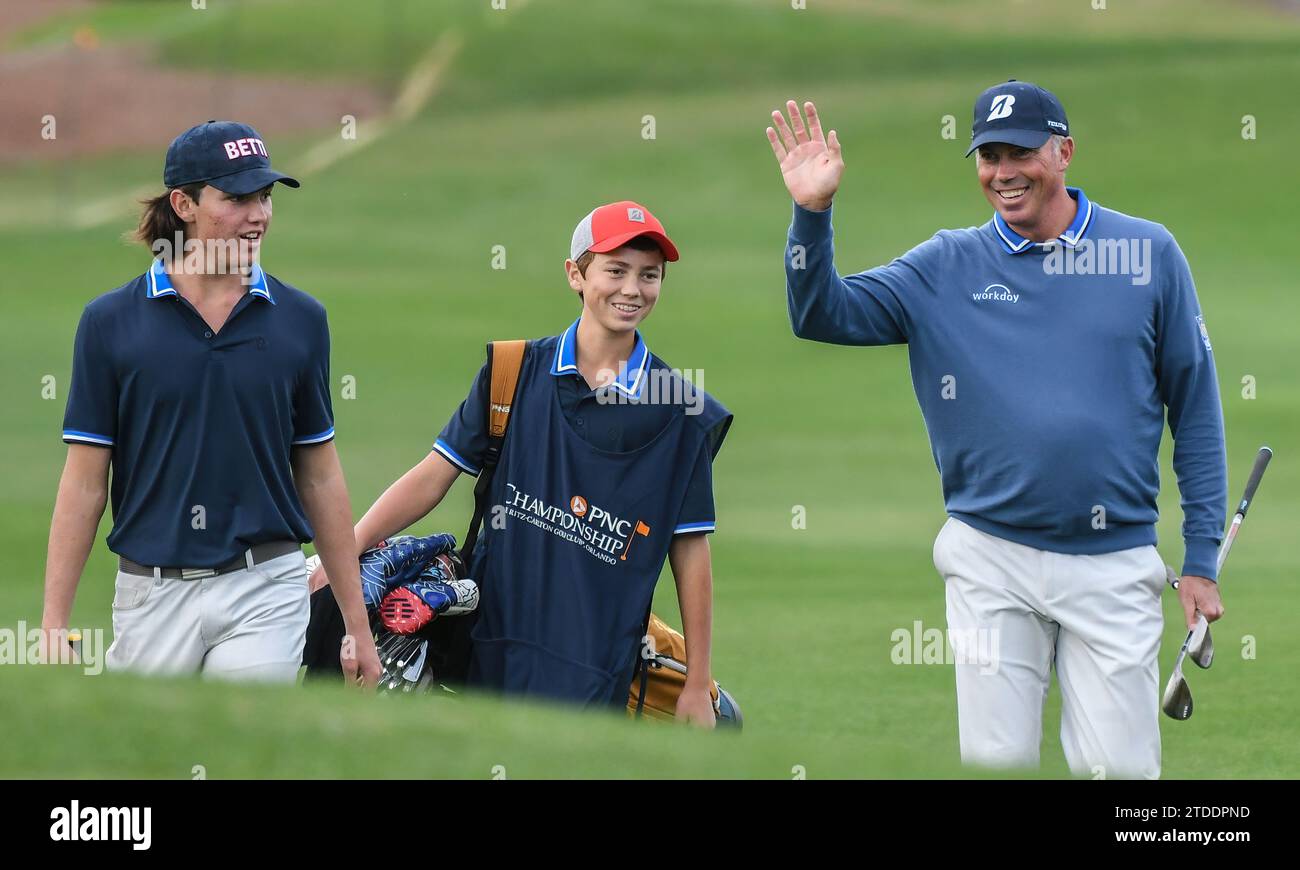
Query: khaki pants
(1097,618)
(246,625)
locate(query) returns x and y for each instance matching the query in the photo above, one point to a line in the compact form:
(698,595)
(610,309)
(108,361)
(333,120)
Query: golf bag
(437,654)
(443,645)
(418,599)
(661,676)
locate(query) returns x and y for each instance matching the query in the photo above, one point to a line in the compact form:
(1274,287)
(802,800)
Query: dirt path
(16,15)
(106,98)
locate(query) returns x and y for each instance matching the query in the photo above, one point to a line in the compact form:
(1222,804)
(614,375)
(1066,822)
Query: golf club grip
(1261,463)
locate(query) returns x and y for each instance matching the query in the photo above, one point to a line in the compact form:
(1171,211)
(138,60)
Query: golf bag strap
(643,662)
(505,359)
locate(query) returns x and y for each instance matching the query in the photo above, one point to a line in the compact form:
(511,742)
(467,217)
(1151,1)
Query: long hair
(159,221)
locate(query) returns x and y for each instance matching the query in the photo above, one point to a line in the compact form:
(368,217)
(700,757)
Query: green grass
(333,732)
(541,118)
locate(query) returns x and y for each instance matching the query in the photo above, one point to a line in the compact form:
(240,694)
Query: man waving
(1045,348)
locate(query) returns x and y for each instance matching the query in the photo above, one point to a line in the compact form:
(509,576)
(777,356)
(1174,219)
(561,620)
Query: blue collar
(630,378)
(160,283)
(1014,243)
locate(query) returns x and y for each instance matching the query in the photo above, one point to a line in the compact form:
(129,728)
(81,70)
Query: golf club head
(1177,700)
(416,667)
(1201,647)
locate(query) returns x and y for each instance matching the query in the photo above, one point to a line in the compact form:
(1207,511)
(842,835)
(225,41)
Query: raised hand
(811,165)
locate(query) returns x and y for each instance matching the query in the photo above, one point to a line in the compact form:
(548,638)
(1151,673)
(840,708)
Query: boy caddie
(605,472)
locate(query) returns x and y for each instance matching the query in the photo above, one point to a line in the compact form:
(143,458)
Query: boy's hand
(54,648)
(811,166)
(318,578)
(695,706)
(360,660)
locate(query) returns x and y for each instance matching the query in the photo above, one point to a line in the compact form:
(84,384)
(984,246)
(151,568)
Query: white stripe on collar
(628,382)
(160,283)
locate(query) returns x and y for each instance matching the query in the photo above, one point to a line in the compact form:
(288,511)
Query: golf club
(1177,699)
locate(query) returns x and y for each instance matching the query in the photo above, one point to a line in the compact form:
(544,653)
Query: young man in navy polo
(204,385)
(606,470)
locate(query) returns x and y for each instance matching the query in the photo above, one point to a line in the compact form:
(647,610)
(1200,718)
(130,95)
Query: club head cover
(444,592)
(398,561)
(403,611)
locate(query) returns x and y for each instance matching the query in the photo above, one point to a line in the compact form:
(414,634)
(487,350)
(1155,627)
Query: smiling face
(619,288)
(1024,184)
(227,217)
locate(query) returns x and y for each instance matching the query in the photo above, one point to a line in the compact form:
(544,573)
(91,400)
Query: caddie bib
(573,544)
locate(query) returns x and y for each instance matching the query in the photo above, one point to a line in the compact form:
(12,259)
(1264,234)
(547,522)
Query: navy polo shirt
(200,423)
(616,424)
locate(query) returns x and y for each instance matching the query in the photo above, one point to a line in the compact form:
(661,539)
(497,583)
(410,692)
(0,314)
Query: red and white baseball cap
(613,226)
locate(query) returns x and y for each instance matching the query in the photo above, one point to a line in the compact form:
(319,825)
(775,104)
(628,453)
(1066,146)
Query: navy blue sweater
(1043,372)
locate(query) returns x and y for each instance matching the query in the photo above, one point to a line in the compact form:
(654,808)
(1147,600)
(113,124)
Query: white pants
(1098,617)
(249,624)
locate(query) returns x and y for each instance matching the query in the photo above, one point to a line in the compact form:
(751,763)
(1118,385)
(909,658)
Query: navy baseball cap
(227,155)
(1018,113)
